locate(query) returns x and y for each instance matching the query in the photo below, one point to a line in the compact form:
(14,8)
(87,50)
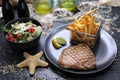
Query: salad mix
(23,32)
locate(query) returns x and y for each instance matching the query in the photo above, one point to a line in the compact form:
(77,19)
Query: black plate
(105,50)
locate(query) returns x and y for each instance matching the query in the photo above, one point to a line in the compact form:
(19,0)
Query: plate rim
(67,70)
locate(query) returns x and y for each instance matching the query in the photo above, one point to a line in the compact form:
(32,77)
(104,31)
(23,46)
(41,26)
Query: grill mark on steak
(77,57)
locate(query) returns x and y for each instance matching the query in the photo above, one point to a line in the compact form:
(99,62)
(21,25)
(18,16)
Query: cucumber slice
(37,31)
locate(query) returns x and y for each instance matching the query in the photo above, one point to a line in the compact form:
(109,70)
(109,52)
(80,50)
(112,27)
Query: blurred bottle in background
(68,4)
(7,11)
(43,6)
(23,10)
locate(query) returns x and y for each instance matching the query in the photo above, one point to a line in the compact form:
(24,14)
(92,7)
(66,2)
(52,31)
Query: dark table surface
(9,58)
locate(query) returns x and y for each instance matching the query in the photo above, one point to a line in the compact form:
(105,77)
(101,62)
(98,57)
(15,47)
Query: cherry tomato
(28,30)
(31,29)
(19,36)
(10,37)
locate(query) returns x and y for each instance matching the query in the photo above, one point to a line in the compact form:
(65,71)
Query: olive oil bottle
(23,10)
(7,11)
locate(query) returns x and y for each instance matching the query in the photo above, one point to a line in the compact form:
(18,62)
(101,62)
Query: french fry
(86,30)
(75,19)
(92,11)
(82,17)
(90,27)
(70,28)
(85,24)
(75,24)
(93,17)
(83,21)
(76,29)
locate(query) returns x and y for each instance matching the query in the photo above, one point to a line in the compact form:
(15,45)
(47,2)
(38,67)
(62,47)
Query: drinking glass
(87,5)
(43,6)
(68,4)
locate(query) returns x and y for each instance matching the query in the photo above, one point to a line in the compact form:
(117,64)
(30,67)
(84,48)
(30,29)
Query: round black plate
(105,50)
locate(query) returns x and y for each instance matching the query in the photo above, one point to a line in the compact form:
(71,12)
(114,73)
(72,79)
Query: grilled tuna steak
(77,57)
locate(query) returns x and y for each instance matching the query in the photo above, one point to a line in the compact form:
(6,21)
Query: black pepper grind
(23,10)
(7,11)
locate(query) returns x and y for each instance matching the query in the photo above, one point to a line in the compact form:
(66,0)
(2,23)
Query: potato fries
(86,25)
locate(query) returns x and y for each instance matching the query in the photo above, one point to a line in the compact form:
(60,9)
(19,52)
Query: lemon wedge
(58,42)
(61,40)
(55,44)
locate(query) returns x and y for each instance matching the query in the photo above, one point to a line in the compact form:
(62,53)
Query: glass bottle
(7,11)
(43,6)
(23,10)
(68,4)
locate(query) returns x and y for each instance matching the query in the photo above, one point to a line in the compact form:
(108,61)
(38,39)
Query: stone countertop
(9,58)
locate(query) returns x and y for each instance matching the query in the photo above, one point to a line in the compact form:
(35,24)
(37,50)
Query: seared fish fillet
(77,57)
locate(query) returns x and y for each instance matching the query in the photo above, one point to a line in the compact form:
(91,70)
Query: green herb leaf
(4,29)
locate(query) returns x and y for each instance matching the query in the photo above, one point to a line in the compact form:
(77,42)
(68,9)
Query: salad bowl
(23,33)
